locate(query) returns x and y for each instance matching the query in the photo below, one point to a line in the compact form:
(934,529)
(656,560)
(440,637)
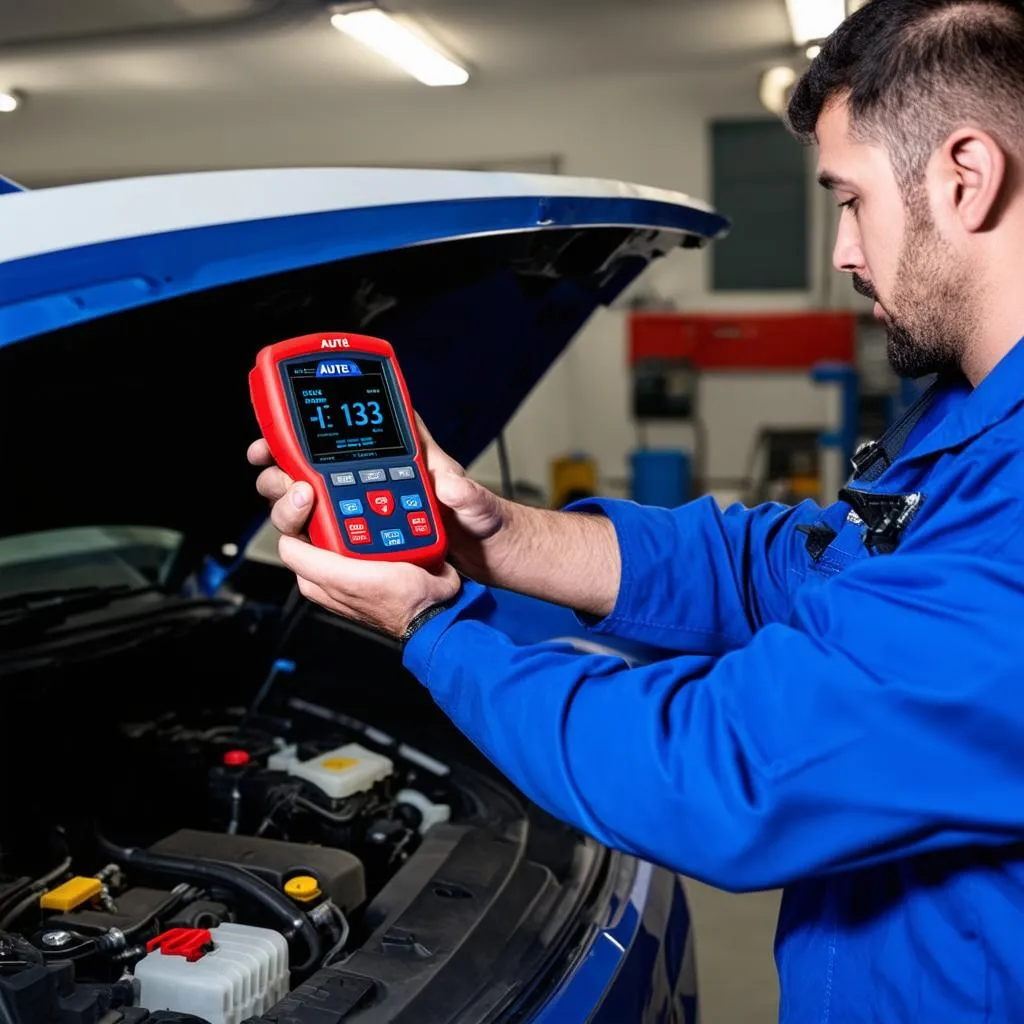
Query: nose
(847,255)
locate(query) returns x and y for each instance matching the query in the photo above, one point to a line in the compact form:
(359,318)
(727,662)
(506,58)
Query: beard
(929,319)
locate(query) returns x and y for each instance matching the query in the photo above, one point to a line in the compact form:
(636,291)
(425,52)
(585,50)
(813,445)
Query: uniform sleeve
(885,718)
(700,579)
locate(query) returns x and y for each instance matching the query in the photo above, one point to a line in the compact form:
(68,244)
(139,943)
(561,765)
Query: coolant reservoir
(224,975)
(345,771)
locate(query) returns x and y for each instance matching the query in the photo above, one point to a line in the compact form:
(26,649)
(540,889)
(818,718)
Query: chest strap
(872,459)
(884,516)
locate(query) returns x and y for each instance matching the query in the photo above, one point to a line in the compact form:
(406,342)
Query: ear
(973,171)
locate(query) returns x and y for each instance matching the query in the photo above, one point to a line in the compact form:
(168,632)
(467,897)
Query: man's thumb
(457,492)
(477,510)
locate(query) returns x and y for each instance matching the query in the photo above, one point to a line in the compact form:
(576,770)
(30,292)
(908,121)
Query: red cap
(191,943)
(236,758)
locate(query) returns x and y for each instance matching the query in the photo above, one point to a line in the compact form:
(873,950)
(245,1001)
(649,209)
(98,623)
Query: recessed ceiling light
(9,102)
(813,51)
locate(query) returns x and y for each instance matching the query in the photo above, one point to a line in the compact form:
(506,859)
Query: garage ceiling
(53,47)
(45,20)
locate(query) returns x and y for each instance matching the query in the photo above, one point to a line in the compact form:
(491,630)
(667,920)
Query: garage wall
(648,128)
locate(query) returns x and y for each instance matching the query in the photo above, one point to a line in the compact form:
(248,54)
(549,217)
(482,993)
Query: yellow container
(572,478)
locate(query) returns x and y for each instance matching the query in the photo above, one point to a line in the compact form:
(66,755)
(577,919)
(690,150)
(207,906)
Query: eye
(850,204)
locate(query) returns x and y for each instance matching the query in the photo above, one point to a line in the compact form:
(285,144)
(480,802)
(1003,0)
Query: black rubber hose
(22,907)
(182,894)
(32,889)
(294,924)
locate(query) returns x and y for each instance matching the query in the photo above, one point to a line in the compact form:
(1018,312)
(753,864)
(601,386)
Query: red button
(382,502)
(236,758)
(358,531)
(419,524)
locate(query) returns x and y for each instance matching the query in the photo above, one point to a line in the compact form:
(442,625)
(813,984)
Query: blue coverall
(849,727)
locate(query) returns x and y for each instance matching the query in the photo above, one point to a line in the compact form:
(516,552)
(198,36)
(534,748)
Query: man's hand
(474,517)
(385,596)
(566,558)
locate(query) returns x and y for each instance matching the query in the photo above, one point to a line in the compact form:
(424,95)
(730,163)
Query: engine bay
(189,838)
(186,835)
(284,843)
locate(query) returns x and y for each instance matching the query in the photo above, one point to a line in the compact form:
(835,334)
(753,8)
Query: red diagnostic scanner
(335,410)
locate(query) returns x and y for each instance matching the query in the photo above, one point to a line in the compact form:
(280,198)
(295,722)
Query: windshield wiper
(46,608)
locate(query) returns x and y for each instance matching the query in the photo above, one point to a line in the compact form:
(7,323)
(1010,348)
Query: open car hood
(131,312)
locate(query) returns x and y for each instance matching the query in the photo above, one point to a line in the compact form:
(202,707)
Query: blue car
(222,804)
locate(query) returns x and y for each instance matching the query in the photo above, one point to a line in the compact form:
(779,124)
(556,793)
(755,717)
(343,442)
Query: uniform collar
(970,412)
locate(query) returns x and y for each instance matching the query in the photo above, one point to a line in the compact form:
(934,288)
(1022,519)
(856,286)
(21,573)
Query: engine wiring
(31,891)
(344,930)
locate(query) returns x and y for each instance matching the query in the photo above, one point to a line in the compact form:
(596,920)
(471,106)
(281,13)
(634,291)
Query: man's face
(890,244)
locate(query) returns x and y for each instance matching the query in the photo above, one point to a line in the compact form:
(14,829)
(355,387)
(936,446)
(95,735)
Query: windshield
(97,556)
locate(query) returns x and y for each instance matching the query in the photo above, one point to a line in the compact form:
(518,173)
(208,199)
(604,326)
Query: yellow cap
(73,893)
(339,764)
(302,888)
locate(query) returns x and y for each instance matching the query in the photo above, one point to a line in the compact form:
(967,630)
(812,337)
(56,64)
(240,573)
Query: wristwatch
(423,618)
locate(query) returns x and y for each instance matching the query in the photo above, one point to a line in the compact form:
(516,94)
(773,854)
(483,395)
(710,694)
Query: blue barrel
(661,476)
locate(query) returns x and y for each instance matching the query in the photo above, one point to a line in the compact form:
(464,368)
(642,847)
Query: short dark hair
(912,71)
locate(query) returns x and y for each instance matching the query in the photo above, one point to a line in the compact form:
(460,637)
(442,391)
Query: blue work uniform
(843,718)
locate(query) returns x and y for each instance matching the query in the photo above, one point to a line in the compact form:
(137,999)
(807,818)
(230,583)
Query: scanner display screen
(347,409)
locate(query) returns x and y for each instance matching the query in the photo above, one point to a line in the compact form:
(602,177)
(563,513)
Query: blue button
(351,507)
(392,538)
(412,502)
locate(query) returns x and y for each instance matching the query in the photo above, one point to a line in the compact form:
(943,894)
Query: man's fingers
(437,458)
(385,596)
(425,434)
(325,568)
(314,592)
(259,453)
(291,511)
(338,575)
(273,483)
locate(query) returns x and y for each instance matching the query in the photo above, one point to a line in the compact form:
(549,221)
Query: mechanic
(841,706)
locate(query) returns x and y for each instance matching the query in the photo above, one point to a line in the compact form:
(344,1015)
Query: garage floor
(736,978)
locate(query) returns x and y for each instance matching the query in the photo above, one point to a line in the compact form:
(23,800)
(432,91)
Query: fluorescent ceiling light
(811,20)
(9,102)
(411,52)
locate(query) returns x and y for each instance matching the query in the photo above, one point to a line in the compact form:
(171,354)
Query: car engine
(282,840)
(236,808)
